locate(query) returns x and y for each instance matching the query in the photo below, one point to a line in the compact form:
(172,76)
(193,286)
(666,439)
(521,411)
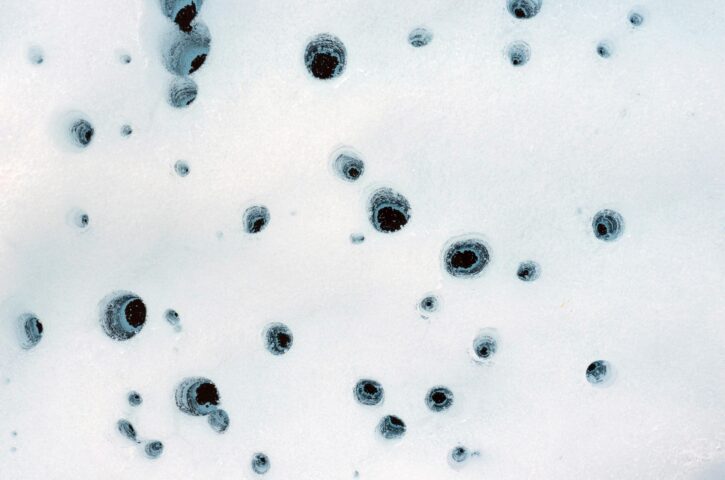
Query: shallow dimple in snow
(349,240)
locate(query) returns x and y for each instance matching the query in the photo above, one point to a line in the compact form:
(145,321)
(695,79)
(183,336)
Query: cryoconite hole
(466,258)
(459,454)
(429,304)
(604,49)
(218,420)
(420,37)
(31,330)
(389,210)
(391,427)
(636,18)
(348,165)
(134,398)
(172,316)
(35,55)
(528,271)
(607,225)
(325,57)
(260,463)
(255,219)
(369,392)
(484,347)
(125,58)
(126,429)
(153,449)
(518,53)
(197,396)
(182,12)
(598,372)
(187,52)
(126,131)
(439,399)
(524,8)
(357,238)
(123,316)
(182,168)
(182,92)
(81,132)
(278,338)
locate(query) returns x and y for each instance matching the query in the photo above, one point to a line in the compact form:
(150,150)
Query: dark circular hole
(428,304)
(420,37)
(126,130)
(207,394)
(349,166)
(126,429)
(255,218)
(218,420)
(123,316)
(636,19)
(439,399)
(459,454)
(185,16)
(125,58)
(135,313)
(260,463)
(519,53)
(134,399)
(528,271)
(604,49)
(187,52)
(32,329)
(391,427)
(182,92)
(172,316)
(484,346)
(325,57)
(154,449)
(197,396)
(279,339)
(81,132)
(597,372)
(466,258)
(369,392)
(389,210)
(523,9)
(608,225)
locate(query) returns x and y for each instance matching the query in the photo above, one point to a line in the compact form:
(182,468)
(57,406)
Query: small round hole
(599,372)
(255,219)
(325,57)
(420,37)
(389,210)
(278,338)
(182,168)
(391,427)
(607,225)
(518,53)
(439,399)
(369,392)
(523,9)
(182,92)
(260,463)
(528,271)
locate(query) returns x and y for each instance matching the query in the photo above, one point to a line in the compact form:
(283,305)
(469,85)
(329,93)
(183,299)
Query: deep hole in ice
(523,9)
(608,225)
(518,53)
(369,392)
(325,57)
(389,210)
(420,37)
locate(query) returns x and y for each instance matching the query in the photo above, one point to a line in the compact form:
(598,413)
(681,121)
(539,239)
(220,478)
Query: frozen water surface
(519,158)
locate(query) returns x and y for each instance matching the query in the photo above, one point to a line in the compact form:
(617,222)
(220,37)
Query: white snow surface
(523,156)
